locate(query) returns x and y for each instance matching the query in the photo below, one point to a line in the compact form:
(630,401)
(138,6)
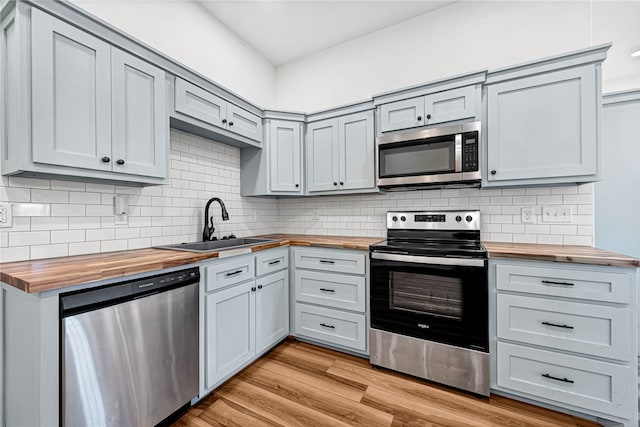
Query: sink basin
(217,245)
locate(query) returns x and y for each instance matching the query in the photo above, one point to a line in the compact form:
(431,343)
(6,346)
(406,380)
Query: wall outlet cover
(121,219)
(6,215)
(528,215)
(556,214)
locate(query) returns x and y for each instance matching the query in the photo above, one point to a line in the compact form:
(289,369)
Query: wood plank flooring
(298,384)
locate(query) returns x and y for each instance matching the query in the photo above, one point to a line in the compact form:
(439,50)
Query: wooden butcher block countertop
(559,253)
(55,273)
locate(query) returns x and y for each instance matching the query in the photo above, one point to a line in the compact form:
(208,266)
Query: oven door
(438,299)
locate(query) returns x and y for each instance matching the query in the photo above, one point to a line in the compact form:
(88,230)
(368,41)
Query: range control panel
(434,220)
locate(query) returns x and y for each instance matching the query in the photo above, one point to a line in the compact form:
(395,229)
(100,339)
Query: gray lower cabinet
(340,153)
(244,315)
(543,121)
(434,108)
(275,169)
(566,335)
(81,107)
(331,289)
(208,109)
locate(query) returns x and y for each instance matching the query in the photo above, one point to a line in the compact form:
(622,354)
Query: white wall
(59,218)
(460,38)
(188,33)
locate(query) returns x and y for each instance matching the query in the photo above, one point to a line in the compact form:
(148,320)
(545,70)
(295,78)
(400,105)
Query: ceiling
(285,30)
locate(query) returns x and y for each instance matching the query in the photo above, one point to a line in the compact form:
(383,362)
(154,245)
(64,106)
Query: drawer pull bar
(275,262)
(551,282)
(233,273)
(327,290)
(557,325)
(327,326)
(564,380)
(326,261)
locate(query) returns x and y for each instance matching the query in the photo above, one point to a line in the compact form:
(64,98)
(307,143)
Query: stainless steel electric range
(429,299)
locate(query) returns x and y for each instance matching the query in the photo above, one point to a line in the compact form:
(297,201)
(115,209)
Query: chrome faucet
(207,233)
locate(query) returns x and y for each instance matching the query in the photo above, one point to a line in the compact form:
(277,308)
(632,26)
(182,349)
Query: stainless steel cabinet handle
(326,261)
(551,282)
(324,325)
(275,262)
(556,325)
(233,273)
(328,290)
(564,380)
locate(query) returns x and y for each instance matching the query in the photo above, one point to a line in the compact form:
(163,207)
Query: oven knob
(394,218)
(468,218)
(458,218)
(403,218)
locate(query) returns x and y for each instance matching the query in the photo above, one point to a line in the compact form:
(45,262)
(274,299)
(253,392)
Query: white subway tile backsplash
(82,248)
(26,238)
(68,210)
(14,254)
(67,236)
(17,181)
(15,194)
(113,245)
(31,209)
(85,198)
(49,223)
(49,196)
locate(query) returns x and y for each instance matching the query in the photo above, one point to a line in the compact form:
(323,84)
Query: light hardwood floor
(298,384)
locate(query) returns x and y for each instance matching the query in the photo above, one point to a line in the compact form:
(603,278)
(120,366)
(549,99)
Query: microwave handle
(458,153)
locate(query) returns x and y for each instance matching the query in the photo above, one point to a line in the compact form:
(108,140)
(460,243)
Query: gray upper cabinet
(139,116)
(340,153)
(197,103)
(439,107)
(86,108)
(284,146)
(71,92)
(543,121)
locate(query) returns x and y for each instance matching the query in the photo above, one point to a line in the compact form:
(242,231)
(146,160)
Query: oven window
(427,294)
(417,159)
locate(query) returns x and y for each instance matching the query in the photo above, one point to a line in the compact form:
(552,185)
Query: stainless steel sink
(217,245)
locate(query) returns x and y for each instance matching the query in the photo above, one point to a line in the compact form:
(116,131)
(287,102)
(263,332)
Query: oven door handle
(429,260)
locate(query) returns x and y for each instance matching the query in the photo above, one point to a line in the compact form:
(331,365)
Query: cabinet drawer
(200,104)
(563,282)
(332,326)
(270,261)
(220,275)
(244,123)
(585,383)
(584,328)
(332,290)
(334,261)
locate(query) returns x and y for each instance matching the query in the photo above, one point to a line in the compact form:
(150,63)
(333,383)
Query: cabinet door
(139,117)
(322,155)
(356,167)
(450,105)
(244,123)
(200,104)
(272,309)
(230,331)
(405,114)
(284,156)
(543,127)
(71,95)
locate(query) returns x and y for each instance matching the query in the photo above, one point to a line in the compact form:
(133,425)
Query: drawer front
(450,105)
(583,284)
(405,114)
(331,290)
(331,326)
(244,123)
(196,102)
(571,380)
(583,328)
(223,274)
(330,261)
(270,261)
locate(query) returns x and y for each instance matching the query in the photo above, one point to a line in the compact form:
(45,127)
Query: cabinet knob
(297,185)
(224,121)
(341,183)
(120,162)
(253,289)
(493,172)
(428,116)
(230,123)
(106,159)
(335,183)
(259,286)
(419,118)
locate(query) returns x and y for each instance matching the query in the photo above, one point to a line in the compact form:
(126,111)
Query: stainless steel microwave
(436,157)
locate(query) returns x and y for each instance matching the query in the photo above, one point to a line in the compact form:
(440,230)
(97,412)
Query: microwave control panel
(470,152)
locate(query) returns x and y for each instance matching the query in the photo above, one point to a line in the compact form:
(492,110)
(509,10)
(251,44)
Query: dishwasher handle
(76,302)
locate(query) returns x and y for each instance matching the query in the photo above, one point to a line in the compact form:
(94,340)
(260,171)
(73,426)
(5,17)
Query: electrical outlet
(528,215)
(6,216)
(556,214)
(121,219)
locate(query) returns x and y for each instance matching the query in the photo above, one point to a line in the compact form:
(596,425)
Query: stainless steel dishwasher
(129,355)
